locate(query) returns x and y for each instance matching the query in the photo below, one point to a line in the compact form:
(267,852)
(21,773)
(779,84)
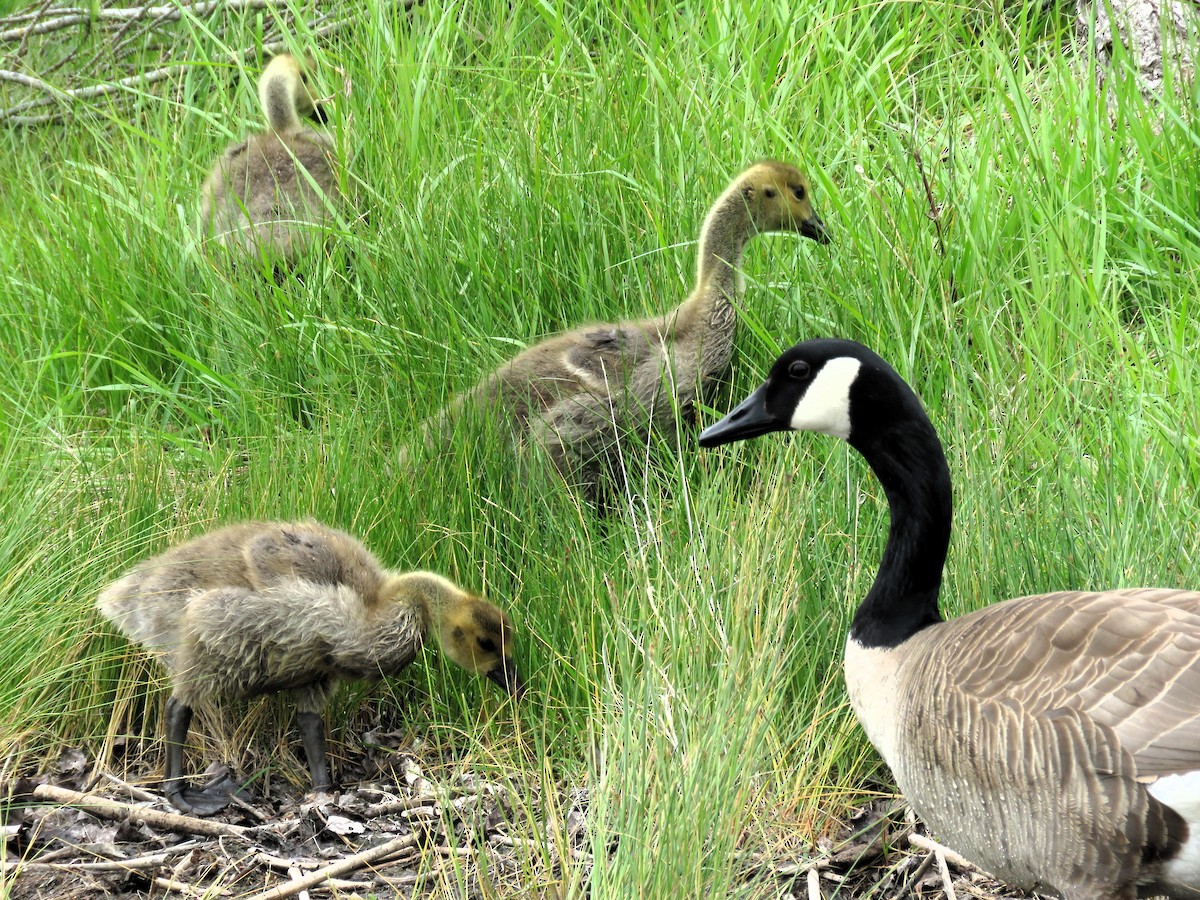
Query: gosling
(259,608)
(574,393)
(270,193)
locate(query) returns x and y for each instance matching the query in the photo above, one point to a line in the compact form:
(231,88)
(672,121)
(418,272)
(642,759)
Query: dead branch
(112,809)
(66,18)
(944,871)
(151,861)
(349,864)
(929,845)
(134,791)
(190,890)
(120,21)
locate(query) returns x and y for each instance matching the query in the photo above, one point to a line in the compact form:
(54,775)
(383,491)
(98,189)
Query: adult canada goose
(259,608)
(1054,740)
(271,192)
(571,393)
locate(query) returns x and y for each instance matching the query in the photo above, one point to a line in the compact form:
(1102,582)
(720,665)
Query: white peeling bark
(1158,36)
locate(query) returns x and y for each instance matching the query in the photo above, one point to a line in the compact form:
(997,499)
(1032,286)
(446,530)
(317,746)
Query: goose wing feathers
(1129,660)
(1076,702)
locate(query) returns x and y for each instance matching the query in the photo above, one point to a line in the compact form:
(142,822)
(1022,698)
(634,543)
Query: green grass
(523,169)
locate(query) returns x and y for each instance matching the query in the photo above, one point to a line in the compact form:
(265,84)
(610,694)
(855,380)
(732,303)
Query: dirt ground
(396,833)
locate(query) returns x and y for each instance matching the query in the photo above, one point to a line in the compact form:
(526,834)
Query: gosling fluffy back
(148,604)
(272,192)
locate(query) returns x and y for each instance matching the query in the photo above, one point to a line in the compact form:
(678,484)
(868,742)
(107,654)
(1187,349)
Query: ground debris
(880,852)
(416,826)
(410,831)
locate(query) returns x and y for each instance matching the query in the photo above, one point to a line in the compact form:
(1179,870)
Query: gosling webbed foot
(206,801)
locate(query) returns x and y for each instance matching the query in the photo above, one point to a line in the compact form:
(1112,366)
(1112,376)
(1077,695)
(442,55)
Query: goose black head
(826,385)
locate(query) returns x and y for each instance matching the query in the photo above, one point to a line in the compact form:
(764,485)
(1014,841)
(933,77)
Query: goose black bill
(749,419)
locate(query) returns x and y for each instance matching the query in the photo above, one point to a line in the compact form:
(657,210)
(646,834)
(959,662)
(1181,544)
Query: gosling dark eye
(487,645)
(798,192)
(769,192)
(799,370)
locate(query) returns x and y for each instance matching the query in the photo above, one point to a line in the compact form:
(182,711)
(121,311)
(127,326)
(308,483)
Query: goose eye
(799,370)
(798,192)
(487,645)
(769,192)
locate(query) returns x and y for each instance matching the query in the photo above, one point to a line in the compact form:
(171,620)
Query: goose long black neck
(907,458)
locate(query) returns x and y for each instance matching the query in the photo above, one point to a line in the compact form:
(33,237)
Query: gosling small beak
(320,114)
(506,676)
(748,420)
(815,228)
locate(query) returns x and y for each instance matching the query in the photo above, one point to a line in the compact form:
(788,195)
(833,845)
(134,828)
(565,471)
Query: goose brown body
(259,608)
(1054,740)
(1056,702)
(575,394)
(272,191)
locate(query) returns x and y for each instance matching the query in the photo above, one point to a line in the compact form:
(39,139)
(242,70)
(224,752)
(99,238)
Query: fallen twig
(944,871)
(65,18)
(182,887)
(929,845)
(149,861)
(112,809)
(916,876)
(349,864)
(135,792)
(392,807)
(324,25)
(814,883)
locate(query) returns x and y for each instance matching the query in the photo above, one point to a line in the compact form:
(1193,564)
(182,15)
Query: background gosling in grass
(575,393)
(271,192)
(258,608)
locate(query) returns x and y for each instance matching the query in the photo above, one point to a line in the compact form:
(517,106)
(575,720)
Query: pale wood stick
(112,865)
(349,864)
(944,870)
(68,17)
(916,876)
(278,862)
(399,806)
(191,890)
(814,884)
(135,792)
(111,809)
(931,846)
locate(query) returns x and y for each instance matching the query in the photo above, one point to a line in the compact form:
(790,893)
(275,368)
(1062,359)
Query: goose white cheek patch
(825,406)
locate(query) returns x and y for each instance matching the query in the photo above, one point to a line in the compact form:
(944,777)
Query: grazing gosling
(1053,740)
(259,608)
(575,392)
(271,192)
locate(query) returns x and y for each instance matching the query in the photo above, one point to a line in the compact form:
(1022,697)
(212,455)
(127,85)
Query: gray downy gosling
(271,192)
(1053,740)
(572,393)
(259,608)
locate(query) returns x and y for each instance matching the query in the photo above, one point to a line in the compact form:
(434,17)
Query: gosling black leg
(181,795)
(179,719)
(312,733)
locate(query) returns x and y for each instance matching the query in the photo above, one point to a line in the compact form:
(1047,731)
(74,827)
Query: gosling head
(287,74)
(779,199)
(473,632)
